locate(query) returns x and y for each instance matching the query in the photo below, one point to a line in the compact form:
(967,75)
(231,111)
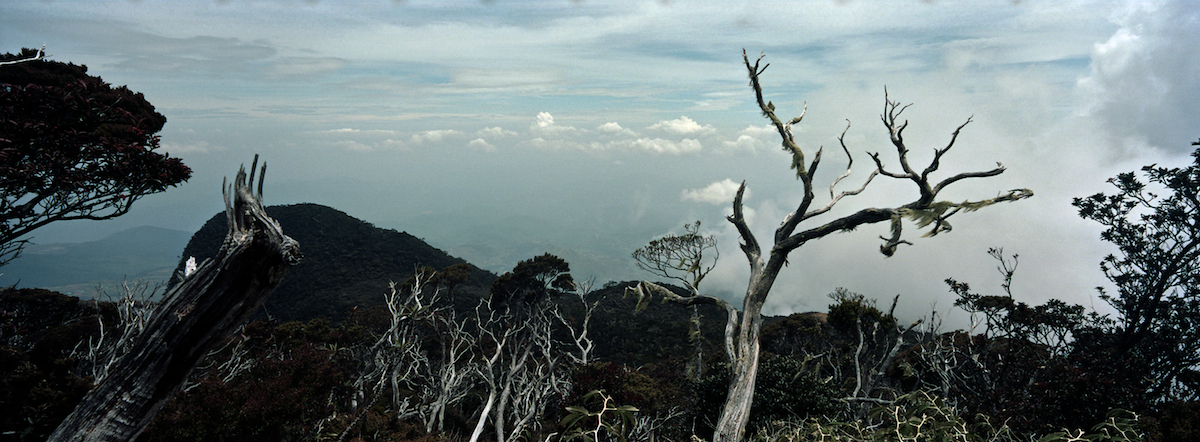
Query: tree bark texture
(199,312)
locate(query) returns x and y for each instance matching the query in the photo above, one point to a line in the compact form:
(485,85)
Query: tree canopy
(73,147)
(534,280)
(1155,224)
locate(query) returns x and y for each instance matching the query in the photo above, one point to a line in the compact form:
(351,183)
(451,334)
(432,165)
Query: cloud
(497,79)
(1144,83)
(434,136)
(353,146)
(743,142)
(495,132)
(544,124)
(761,131)
(752,138)
(719,192)
(660,145)
(615,129)
(304,67)
(544,120)
(682,126)
(481,144)
(718,101)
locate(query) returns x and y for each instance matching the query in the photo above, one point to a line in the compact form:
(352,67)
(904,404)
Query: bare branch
(749,245)
(833,199)
(937,153)
(879,167)
(39,55)
(948,181)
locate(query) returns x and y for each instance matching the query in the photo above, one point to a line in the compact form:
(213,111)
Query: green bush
(849,307)
(785,389)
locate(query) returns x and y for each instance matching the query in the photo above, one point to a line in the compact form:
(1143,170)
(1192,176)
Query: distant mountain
(76,269)
(347,262)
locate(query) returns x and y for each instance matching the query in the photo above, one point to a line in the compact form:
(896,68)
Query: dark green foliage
(1037,368)
(598,417)
(1155,224)
(650,336)
(849,308)
(73,147)
(796,334)
(35,395)
(38,384)
(652,389)
(786,389)
(1176,421)
(534,280)
(656,390)
(347,263)
(284,394)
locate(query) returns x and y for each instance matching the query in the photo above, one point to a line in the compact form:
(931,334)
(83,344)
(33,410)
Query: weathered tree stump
(195,315)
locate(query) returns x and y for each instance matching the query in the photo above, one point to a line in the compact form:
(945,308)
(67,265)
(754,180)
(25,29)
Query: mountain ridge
(144,252)
(347,262)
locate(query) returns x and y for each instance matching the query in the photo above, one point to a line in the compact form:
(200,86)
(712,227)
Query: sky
(501,130)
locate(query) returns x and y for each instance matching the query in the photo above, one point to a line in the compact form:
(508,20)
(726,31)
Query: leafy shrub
(284,394)
(849,307)
(598,418)
(653,389)
(785,390)
(1177,421)
(35,396)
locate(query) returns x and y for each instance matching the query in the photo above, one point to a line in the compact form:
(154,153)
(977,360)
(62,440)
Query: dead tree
(681,257)
(925,210)
(196,314)
(520,367)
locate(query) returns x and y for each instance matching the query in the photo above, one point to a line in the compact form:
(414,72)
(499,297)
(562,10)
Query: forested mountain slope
(347,262)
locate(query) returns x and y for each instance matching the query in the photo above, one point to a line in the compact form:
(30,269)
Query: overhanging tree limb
(195,315)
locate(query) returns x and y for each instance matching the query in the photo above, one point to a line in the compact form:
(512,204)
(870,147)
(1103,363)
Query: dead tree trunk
(196,314)
(764,268)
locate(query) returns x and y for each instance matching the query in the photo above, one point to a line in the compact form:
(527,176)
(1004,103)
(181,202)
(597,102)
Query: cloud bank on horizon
(499,130)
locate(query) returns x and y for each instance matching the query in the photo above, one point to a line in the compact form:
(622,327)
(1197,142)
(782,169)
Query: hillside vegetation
(333,358)
(347,262)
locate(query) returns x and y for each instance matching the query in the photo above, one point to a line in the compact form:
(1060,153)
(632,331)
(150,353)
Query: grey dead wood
(742,333)
(196,314)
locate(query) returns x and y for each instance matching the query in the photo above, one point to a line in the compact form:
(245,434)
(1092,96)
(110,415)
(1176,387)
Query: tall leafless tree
(924,211)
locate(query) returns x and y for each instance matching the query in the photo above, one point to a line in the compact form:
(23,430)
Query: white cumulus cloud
(614,128)
(752,138)
(544,119)
(719,192)
(481,144)
(660,145)
(682,126)
(544,124)
(434,136)
(495,132)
